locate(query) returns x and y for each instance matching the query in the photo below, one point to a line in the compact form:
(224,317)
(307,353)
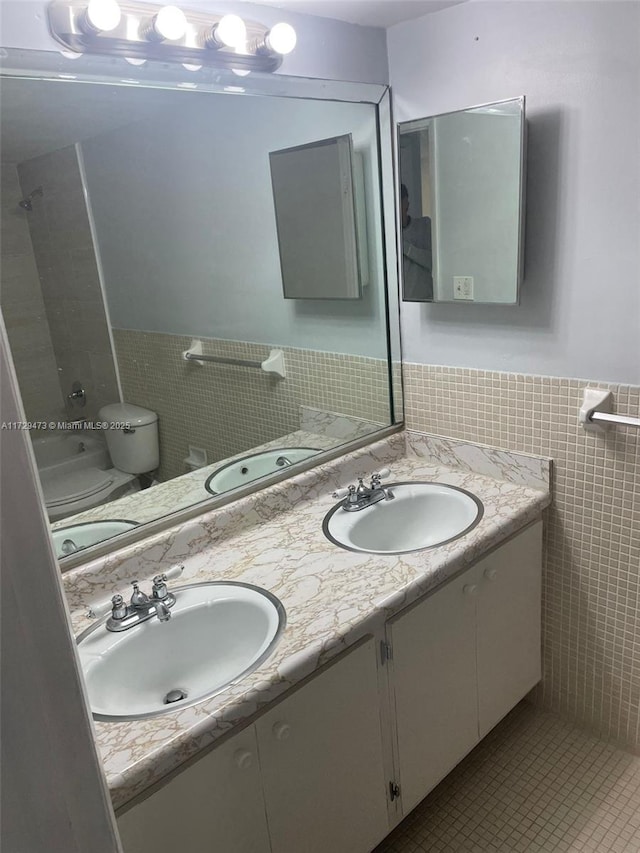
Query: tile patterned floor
(536,784)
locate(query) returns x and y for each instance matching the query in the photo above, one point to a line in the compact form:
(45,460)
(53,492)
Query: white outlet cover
(463,287)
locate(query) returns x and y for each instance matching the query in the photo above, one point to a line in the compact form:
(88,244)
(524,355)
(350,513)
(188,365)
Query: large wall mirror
(461,213)
(138,226)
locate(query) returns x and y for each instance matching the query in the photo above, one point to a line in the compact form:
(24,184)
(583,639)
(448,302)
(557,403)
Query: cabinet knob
(243,759)
(281,731)
(490,574)
(470,589)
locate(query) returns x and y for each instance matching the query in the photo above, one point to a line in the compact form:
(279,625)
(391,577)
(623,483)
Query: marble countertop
(332,597)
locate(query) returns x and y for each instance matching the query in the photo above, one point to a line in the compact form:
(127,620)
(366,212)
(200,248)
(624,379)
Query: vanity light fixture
(100,16)
(230,31)
(138,31)
(281,39)
(169,24)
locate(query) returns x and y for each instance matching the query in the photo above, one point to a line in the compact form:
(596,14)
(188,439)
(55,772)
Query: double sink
(219,632)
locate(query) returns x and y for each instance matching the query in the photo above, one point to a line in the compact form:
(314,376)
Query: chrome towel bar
(273,364)
(607,418)
(218,359)
(595,414)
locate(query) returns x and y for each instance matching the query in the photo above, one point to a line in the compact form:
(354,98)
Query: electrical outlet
(463,287)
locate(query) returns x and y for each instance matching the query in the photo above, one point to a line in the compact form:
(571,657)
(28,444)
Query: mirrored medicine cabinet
(461,199)
(139,224)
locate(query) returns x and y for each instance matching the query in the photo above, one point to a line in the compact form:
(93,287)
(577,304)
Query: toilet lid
(75,486)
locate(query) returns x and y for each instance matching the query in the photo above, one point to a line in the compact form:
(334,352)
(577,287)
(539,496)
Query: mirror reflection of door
(416,216)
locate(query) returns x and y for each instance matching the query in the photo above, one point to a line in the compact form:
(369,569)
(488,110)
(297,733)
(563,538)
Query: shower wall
(66,262)
(23,308)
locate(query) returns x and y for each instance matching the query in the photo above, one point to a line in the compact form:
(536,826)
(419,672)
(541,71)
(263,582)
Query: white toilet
(133,450)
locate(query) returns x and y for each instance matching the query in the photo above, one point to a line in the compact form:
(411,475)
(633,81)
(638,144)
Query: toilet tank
(133,449)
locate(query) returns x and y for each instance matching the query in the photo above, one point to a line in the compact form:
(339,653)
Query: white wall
(578,63)
(185,221)
(326,48)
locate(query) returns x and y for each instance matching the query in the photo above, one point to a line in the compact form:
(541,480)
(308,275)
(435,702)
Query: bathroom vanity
(391,667)
(310,773)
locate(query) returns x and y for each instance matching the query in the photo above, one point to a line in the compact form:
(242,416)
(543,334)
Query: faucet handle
(119,609)
(382,474)
(173,572)
(101,608)
(160,590)
(349,494)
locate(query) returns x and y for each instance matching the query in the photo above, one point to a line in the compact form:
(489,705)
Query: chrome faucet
(283,462)
(141,606)
(360,497)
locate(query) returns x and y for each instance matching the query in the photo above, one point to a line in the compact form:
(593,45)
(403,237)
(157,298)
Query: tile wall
(66,262)
(226,409)
(591,596)
(23,308)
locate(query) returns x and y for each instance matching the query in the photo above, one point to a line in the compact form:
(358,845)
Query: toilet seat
(81,490)
(76,486)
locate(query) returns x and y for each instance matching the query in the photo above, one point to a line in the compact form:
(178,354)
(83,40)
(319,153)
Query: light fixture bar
(165,33)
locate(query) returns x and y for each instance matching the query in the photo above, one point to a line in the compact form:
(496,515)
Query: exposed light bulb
(170,23)
(71,54)
(101,16)
(230,31)
(241,72)
(190,67)
(133,60)
(281,39)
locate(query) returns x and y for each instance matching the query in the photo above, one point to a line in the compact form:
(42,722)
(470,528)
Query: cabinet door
(509,656)
(321,759)
(213,806)
(434,683)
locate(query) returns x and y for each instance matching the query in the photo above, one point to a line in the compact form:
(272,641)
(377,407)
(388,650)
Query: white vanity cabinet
(214,805)
(308,777)
(317,772)
(462,658)
(322,766)
(434,683)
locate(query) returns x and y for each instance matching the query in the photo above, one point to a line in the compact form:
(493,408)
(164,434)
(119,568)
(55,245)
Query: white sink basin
(85,534)
(218,633)
(421,515)
(250,468)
